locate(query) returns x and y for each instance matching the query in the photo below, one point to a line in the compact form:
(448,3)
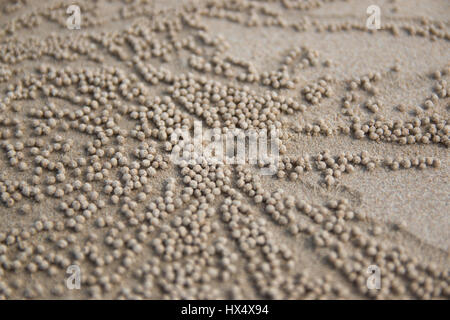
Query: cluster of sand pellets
(86,176)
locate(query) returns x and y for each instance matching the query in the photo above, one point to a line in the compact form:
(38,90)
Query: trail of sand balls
(90,143)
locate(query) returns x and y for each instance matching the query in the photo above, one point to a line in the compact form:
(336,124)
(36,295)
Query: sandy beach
(92,205)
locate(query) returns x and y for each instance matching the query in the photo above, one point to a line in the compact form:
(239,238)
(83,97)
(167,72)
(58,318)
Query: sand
(313,235)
